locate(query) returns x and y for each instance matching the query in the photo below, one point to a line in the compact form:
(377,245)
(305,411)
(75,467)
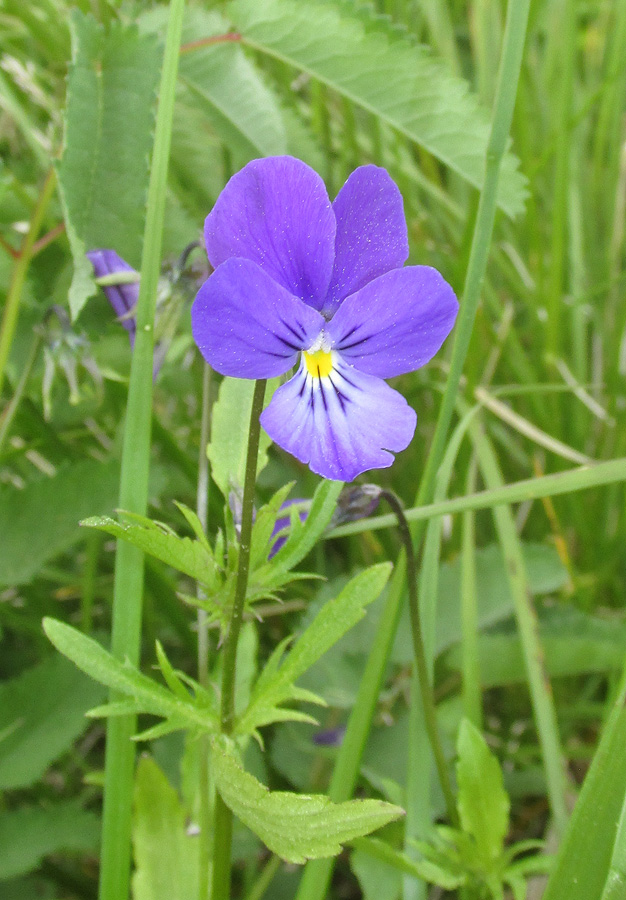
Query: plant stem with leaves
(223,817)
(128,584)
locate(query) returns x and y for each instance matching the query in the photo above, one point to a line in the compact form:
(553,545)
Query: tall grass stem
(133,496)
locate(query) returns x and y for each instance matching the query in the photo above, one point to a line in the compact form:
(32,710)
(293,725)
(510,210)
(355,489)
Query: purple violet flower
(122,297)
(300,279)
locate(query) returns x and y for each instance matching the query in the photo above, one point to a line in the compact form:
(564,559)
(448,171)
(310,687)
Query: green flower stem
(528,627)
(421,663)
(223,817)
(579,479)
(472,694)
(204,781)
(18,276)
(128,584)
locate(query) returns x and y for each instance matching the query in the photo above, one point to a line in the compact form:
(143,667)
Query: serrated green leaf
(102,666)
(276,685)
(296,827)
(385,73)
(225,85)
(108,135)
(482,802)
(182,553)
(166,857)
(229,432)
(30,833)
(42,712)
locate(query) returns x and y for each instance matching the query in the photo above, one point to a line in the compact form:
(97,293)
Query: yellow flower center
(319,364)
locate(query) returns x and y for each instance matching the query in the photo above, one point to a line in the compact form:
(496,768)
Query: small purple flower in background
(298,278)
(122,297)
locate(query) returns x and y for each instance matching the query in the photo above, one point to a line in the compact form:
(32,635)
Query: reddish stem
(232,36)
(46,239)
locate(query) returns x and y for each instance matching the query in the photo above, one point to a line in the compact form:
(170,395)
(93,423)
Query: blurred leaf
(296,827)
(30,833)
(229,432)
(573,642)
(192,557)
(42,712)
(166,857)
(585,857)
(384,72)
(144,694)
(482,801)
(41,520)
(276,684)
(226,86)
(108,137)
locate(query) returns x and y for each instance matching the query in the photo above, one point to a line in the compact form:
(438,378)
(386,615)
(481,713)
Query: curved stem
(419,653)
(223,817)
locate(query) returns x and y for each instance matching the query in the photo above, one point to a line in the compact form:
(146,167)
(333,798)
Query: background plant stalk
(223,817)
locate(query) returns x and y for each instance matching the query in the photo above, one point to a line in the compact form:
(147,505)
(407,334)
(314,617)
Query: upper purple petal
(396,323)
(342,424)
(247,325)
(371,233)
(276,212)
(122,297)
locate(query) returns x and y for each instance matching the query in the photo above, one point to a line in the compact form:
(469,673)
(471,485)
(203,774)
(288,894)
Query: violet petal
(276,213)
(396,323)
(342,424)
(122,297)
(247,325)
(371,233)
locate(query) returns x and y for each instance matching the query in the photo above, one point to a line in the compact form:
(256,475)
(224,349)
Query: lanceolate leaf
(296,827)
(386,74)
(276,684)
(144,694)
(108,135)
(192,557)
(482,801)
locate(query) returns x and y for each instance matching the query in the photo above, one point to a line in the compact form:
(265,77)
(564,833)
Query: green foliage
(41,520)
(30,833)
(231,421)
(386,74)
(42,712)
(584,867)
(276,685)
(192,557)
(177,707)
(166,856)
(296,827)
(475,855)
(108,135)
(482,801)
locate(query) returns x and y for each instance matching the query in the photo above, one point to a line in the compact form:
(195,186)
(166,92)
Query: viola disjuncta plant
(302,281)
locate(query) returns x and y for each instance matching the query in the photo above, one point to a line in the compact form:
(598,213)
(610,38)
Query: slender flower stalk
(223,816)
(202,508)
(128,584)
(421,663)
